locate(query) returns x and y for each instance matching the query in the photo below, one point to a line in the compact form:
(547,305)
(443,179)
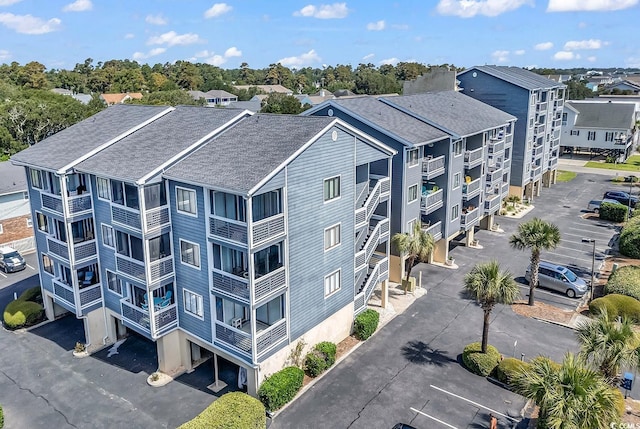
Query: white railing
(234,338)
(269,283)
(135,315)
(58,248)
(90,295)
(130,267)
(492,203)
(160,268)
(385,184)
(51,202)
(362,194)
(267,229)
(472,188)
(432,201)
(540,129)
(363,214)
(494,176)
(506,164)
(125,216)
(553,162)
(228,228)
(364,255)
(474,156)
(537,151)
(156,218)
(85,250)
(536,172)
(64,291)
(229,284)
(271,336)
(379,269)
(79,203)
(505,190)
(470,217)
(496,146)
(435,230)
(165,319)
(433,167)
(509,140)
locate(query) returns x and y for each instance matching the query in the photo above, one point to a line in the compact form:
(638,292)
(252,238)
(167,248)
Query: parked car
(403,426)
(622,197)
(11,260)
(594,205)
(558,278)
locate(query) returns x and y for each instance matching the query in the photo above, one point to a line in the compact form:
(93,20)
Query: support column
(173,353)
(95,328)
(539,185)
(384,296)
(441,251)
(470,237)
(396,268)
(555,176)
(49,309)
(252,382)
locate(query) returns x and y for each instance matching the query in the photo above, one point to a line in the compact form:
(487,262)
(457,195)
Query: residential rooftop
(12,178)
(603,114)
(517,76)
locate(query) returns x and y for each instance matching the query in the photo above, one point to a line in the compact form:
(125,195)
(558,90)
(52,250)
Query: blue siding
(365,153)
(413,176)
(191,229)
(40,237)
(454,196)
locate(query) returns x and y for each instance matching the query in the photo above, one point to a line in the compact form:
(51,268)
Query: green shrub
(630,237)
(234,410)
(315,363)
(281,387)
(366,323)
(508,368)
(1,417)
(620,403)
(33,294)
(625,281)
(329,350)
(617,305)
(22,313)
(614,212)
(480,363)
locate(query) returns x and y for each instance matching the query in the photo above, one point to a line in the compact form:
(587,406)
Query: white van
(559,278)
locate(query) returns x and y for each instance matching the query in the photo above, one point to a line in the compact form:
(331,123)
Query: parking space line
(557,295)
(3,275)
(580,251)
(473,403)
(592,231)
(588,246)
(570,257)
(31,267)
(587,235)
(432,418)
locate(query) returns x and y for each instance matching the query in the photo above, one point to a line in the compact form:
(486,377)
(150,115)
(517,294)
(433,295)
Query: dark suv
(622,198)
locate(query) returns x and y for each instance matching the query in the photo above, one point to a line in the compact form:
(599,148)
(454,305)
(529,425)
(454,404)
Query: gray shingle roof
(72,143)
(148,148)
(454,111)
(604,115)
(242,156)
(517,76)
(386,117)
(12,178)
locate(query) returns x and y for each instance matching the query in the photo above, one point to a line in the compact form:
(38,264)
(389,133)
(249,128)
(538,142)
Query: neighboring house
(560,78)
(537,103)
(315,99)
(111,99)
(215,97)
(625,85)
(83,98)
(267,89)
(16,227)
(253,106)
(211,231)
(599,127)
(449,174)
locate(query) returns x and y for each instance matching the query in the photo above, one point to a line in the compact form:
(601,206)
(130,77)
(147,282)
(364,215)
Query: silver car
(559,278)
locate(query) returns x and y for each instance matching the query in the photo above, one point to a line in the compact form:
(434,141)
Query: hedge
(508,368)
(234,410)
(20,313)
(612,211)
(366,323)
(329,350)
(1,417)
(32,294)
(315,363)
(625,281)
(620,403)
(281,387)
(629,243)
(617,305)
(480,363)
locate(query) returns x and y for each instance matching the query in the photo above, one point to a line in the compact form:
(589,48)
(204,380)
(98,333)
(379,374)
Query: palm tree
(416,246)
(536,235)
(569,395)
(607,344)
(490,286)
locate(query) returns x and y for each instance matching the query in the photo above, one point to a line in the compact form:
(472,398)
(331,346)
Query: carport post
(593,263)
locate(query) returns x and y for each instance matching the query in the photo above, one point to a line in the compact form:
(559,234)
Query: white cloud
(519,52)
(172,38)
(129,36)
(232,52)
(573,45)
(592,59)
(303,60)
(217,59)
(391,61)
(565,56)
(27,24)
(544,46)
(151,53)
(324,11)
(78,6)
(156,19)
(500,56)
(8,2)
(217,10)
(376,26)
(471,8)
(368,57)
(589,5)
(4,54)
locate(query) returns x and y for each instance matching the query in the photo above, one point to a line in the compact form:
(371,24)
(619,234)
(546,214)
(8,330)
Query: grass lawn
(632,164)
(565,176)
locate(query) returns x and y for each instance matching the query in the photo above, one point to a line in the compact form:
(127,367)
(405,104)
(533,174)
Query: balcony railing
(131,267)
(135,315)
(470,217)
(537,151)
(473,157)
(267,229)
(64,292)
(160,268)
(156,218)
(270,283)
(433,167)
(79,203)
(90,295)
(471,189)
(496,145)
(229,229)
(541,106)
(51,202)
(125,216)
(165,319)
(536,172)
(553,162)
(379,231)
(234,338)
(540,129)
(492,203)
(58,248)
(231,285)
(432,201)
(379,272)
(271,336)
(494,176)
(558,103)
(85,250)
(380,189)
(506,164)
(505,190)
(435,230)
(556,135)
(508,140)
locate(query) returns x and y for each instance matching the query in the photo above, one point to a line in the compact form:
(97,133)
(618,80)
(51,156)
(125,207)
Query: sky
(523,33)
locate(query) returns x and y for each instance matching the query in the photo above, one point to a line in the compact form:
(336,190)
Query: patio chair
(145,302)
(166,300)
(88,278)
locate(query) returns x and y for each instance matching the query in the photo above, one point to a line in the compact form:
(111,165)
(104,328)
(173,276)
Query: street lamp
(593,263)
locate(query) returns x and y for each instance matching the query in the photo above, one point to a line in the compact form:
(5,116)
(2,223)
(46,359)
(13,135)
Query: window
(103,188)
(411,225)
(129,245)
(160,247)
(229,206)
(190,253)
(332,188)
(108,238)
(36,179)
(47,264)
(114,284)
(457,147)
(186,201)
(564,118)
(608,136)
(43,222)
(332,283)
(266,205)
(591,135)
(455,212)
(124,194)
(29,222)
(575,132)
(456,180)
(412,193)
(331,237)
(412,157)
(193,304)
(25,195)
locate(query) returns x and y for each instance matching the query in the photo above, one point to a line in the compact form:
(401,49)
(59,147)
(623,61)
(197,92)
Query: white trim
(112,141)
(195,200)
(53,266)
(339,176)
(197,295)
(417,194)
(324,285)
(452,219)
(339,225)
(409,151)
(113,235)
(29,222)
(410,228)
(197,267)
(120,281)
(453,179)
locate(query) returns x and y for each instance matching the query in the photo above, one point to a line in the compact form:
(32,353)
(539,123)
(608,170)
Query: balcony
(130,267)
(496,145)
(494,176)
(536,172)
(473,158)
(540,128)
(90,295)
(537,151)
(160,269)
(553,162)
(165,319)
(431,201)
(51,202)
(228,229)
(471,189)
(124,216)
(156,218)
(506,164)
(271,336)
(541,106)
(84,250)
(57,248)
(267,229)
(78,204)
(492,204)
(504,190)
(433,167)
(64,292)
(470,217)
(435,230)
(556,135)
(234,338)
(270,284)
(508,140)
(558,103)
(231,285)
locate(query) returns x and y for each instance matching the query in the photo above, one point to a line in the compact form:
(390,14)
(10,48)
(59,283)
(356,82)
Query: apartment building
(16,228)
(452,165)
(537,103)
(210,231)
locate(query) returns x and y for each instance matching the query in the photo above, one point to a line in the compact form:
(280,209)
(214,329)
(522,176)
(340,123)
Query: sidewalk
(397,304)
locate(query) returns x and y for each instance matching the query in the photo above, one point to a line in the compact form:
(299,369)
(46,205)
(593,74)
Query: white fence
(24,245)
